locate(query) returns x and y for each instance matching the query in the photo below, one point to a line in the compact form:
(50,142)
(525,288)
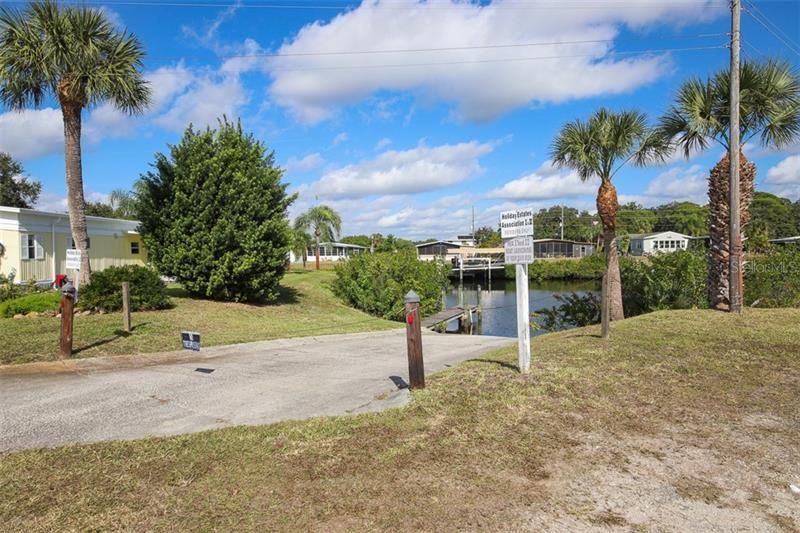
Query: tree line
(771,217)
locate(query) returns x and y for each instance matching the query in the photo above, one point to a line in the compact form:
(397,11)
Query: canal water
(499,302)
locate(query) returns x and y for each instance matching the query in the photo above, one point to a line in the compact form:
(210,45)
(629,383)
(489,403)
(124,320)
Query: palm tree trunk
(718,213)
(76,204)
(607,209)
(316,234)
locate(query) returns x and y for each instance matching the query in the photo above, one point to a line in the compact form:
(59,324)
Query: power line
(794,48)
(454,48)
(498,60)
(753,10)
(286,4)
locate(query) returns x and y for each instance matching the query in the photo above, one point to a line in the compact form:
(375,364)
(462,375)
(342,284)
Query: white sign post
(516,228)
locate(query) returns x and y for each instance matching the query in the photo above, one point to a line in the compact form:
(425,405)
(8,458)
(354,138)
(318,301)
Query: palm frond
(73,53)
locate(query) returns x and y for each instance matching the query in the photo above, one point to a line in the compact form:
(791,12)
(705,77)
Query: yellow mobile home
(33,244)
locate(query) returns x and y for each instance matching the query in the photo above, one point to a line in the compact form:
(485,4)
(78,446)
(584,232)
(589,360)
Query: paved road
(251,383)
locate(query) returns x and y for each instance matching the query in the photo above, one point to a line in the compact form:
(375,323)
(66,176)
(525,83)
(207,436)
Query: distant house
(465,240)
(33,244)
(330,251)
(658,243)
(786,241)
(561,248)
(443,250)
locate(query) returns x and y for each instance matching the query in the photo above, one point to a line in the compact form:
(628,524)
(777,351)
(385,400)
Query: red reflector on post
(410,318)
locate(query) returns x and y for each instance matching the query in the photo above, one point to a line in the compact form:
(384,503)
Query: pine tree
(214,215)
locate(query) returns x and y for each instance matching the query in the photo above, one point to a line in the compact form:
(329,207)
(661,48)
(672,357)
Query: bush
(214,215)
(377,282)
(591,267)
(667,281)
(10,290)
(773,280)
(35,302)
(574,311)
(148,292)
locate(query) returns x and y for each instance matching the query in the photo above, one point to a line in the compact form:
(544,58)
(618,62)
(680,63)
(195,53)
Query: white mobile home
(442,250)
(330,251)
(34,244)
(658,243)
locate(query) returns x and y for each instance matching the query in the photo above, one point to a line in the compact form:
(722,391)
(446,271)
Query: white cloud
(209,36)
(403,172)
(482,83)
(679,183)
(340,138)
(208,98)
(113,17)
(784,178)
(32,133)
(787,171)
(38,132)
(57,203)
(304,164)
(545,182)
(383,143)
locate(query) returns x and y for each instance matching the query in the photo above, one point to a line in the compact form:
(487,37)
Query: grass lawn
(306,307)
(684,420)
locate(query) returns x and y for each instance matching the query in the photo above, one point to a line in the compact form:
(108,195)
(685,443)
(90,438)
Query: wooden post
(604,308)
(416,367)
(126,307)
(67,317)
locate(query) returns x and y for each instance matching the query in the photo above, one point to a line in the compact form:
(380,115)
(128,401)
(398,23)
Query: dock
(452,313)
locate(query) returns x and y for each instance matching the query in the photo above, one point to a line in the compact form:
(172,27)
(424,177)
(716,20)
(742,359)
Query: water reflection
(499,302)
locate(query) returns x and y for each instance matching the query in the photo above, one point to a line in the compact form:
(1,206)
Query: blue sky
(404,115)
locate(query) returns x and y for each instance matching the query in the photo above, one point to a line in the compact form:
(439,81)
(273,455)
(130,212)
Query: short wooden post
(67,317)
(604,308)
(416,368)
(126,306)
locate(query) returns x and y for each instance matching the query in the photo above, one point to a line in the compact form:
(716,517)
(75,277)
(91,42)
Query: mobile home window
(135,248)
(31,247)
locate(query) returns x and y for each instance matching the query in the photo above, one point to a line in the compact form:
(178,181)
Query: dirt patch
(684,479)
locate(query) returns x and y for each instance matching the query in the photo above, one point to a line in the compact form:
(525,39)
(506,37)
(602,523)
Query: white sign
(190,340)
(517,223)
(519,251)
(73,259)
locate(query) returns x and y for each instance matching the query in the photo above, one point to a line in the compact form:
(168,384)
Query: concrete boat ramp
(256,383)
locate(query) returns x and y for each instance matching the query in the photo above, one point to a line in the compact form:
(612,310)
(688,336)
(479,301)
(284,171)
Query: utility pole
(562,222)
(735,237)
(473,224)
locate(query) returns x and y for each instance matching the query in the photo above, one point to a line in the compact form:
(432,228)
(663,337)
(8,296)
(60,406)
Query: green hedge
(773,280)
(585,268)
(148,292)
(35,302)
(377,282)
(667,281)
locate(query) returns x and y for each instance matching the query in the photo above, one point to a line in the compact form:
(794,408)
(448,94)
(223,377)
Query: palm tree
(323,221)
(75,55)
(599,147)
(770,110)
(123,203)
(301,242)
